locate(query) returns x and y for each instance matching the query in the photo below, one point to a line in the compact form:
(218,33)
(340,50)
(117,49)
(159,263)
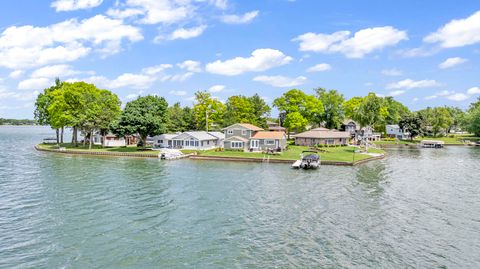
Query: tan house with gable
(322,136)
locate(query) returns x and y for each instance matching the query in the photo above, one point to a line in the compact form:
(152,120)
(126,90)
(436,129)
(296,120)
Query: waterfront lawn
(453,140)
(337,154)
(97,148)
(399,142)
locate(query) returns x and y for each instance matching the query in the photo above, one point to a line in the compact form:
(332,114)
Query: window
(236,145)
(244,132)
(196,143)
(230,131)
(329,141)
(269,142)
(160,141)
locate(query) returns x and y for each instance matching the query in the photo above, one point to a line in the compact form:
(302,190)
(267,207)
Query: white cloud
(430,97)
(415,99)
(392,72)
(451,62)
(156,11)
(319,68)
(135,81)
(281,81)
(396,93)
(34,84)
(473,90)
(16,74)
(153,70)
(178,93)
(182,33)
(412,84)
(216,88)
(178,77)
(191,66)
(19,96)
(69,5)
(444,93)
(221,4)
(131,96)
(260,60)
(240,19)
(417,52)
(361,43)
(458,97)
(28,46)
(53,71)
(457,33)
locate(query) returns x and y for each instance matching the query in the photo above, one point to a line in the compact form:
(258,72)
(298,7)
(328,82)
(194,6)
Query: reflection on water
(414,209)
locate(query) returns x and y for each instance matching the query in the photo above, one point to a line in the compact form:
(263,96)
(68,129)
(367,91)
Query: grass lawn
(400,142)
(97,148)
(339,154)
(456,139)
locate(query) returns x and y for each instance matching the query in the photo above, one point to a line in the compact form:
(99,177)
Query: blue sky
(424,53)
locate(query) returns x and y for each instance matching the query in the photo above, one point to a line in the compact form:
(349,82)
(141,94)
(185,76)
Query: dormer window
(230,131)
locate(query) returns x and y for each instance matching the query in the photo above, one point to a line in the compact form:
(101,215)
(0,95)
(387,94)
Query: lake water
(414,209)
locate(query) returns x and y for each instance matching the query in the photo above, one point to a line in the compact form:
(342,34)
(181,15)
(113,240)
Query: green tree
(239,109)
(473,120)
(307,108)
(411,123)
(458,118)
(396,110)
(42,103)
(371,111)
(208,111)
(441,120)
(333,114)
(351,107)
(180,119)
(296,122)
(145,116)
(261,110)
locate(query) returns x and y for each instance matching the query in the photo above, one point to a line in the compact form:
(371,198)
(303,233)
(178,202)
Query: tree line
(89,110)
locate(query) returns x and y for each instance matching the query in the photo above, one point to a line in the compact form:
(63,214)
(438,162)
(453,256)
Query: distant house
(111,140)
(264,140)
(395,131)
(350,126)
(322,136)
(248,137)
(199,140)
(275,127)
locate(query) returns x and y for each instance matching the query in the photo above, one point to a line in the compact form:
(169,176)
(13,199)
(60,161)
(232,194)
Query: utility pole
(206,120)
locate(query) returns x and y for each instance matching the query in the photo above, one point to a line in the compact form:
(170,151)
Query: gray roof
(218,134)
(393,126)
(199,135)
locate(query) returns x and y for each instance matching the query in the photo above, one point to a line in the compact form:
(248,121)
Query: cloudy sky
(424,53)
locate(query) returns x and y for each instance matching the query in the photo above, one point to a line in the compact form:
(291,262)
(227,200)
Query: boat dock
(432,144)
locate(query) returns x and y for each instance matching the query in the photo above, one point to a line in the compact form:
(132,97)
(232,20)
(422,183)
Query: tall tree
(208,111)
(307,108)
(396,110)
(333,114)
(441,120)
(411,123)
(146,116)
(371,111)
(238,109)
(42,103)
(261,110)
(351,107)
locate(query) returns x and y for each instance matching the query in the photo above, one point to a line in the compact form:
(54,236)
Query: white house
(112,140)
(164,140)
(396,132)
(200,140)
